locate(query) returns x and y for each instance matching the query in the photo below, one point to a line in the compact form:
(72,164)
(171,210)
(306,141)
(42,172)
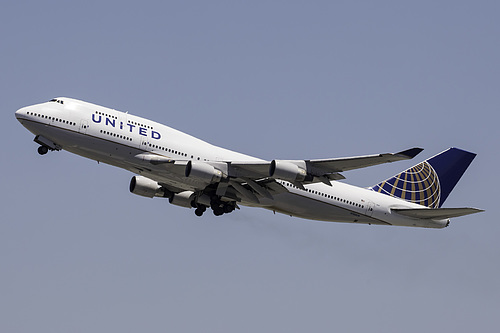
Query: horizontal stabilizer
(436,213)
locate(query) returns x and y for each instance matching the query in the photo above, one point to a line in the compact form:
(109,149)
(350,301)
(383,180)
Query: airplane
(192,173)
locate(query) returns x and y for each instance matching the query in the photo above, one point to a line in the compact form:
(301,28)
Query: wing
(351,163)
(317,170)
(259,177)
(254,181)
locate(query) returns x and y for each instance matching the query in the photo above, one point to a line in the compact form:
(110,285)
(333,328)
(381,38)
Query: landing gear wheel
(228,208)
(200,209)
(199,212)
(218,211)
(42,150)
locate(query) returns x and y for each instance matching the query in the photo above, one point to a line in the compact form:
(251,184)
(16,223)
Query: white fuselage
(116,138)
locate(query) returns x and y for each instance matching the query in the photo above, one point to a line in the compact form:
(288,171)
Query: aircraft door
(369,208)
(144,143)
(84,125)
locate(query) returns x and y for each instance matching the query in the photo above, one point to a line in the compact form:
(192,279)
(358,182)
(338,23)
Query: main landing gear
(200,210)
(218,206)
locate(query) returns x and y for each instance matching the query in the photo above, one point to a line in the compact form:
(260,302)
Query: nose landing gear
(45,145)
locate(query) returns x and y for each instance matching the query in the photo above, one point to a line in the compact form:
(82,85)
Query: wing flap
(250,169)
(436,213)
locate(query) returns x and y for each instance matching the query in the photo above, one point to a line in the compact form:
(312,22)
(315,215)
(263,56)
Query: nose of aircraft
(20,113)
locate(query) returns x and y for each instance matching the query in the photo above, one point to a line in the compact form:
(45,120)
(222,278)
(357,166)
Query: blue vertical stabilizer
(429,183)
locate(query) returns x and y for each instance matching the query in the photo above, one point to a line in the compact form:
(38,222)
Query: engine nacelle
(183,199)
(147,187)
(286,170)
(203,171)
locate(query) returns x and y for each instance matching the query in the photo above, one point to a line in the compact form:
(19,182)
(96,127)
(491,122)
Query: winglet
(410,153)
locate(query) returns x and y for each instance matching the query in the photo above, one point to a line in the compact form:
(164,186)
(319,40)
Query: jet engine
(183,199)
(203,171)
(147,188)
(287,170)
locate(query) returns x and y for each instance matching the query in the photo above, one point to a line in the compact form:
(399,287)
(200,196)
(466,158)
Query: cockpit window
(57,101)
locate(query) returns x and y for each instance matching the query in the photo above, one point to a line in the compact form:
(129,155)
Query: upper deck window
(57,101)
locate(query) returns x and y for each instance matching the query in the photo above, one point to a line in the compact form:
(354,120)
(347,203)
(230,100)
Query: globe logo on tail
(419,184)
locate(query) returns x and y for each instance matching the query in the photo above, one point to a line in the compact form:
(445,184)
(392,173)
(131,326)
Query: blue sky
(273,79)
